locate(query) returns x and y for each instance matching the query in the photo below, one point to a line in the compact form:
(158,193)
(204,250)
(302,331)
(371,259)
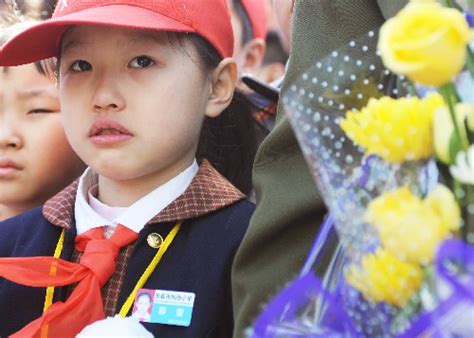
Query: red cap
(257,13)
(208,18)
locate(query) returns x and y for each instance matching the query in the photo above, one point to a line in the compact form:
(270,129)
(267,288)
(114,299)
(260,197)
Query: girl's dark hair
(145,294)
(228,141)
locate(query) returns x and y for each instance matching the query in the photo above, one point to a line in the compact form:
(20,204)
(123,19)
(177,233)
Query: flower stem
(467,210)
(449,93)
(406,312)
(451,3)
(411,88)
(471,4)
(429,278)
(470,61)
(445,3)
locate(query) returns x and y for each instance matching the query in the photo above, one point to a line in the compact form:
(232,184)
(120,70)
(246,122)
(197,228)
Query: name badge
(164,307)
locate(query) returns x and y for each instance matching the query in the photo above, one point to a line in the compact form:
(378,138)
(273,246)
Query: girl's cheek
(45,141)
(70,92)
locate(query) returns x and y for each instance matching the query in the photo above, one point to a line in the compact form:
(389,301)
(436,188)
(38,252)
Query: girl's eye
(40,111)
(81,66)
(141,62)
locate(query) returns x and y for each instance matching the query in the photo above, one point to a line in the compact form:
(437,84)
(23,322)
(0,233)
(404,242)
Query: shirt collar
(136,216)
(209,191)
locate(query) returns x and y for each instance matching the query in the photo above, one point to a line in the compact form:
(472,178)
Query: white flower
(115,327)
(463,168)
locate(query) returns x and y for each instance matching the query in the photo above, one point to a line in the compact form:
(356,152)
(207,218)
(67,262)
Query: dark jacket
(198,260)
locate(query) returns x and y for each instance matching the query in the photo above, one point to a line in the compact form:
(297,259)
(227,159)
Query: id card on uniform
(164,307)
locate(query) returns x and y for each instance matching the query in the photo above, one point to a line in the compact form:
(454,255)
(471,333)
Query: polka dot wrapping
(346,178)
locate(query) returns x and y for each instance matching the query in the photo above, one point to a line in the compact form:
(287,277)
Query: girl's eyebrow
(72,45)
(145,37)
(28,94)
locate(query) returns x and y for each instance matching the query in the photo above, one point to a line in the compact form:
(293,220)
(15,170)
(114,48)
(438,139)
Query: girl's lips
(108,132)
(110,139)
(8,168)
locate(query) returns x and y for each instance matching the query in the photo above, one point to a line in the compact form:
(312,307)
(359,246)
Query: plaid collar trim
(209,191)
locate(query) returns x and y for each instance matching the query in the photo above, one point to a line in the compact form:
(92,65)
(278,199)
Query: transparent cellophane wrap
(348,180)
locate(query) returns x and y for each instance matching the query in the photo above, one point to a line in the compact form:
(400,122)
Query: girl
(29,105)
(136,80)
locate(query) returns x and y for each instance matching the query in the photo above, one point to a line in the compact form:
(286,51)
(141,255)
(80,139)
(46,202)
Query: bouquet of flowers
(390,143)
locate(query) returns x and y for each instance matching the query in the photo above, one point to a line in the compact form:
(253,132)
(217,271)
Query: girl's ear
(223,82)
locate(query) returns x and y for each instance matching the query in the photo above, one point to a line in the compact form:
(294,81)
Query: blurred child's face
(284,12)
(248,56)
(36,160)
(133,102)
(237,28)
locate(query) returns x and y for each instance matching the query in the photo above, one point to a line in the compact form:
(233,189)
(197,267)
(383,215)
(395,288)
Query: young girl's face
(133,102)
(36,160)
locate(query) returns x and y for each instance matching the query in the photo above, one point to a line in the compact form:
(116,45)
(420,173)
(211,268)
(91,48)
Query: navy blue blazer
(199,260)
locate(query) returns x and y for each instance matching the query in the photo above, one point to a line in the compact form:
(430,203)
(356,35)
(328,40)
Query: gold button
(154,240)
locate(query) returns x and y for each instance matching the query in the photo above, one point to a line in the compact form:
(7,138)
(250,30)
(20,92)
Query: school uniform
(215,216)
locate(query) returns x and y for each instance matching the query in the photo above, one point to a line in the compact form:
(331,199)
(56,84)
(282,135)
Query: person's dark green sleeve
(289,208)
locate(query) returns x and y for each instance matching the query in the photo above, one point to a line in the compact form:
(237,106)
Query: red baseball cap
(208,18)
(257,13)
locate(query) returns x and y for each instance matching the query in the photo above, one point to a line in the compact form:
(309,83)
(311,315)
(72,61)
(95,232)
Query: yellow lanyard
(48,300)
(141,281)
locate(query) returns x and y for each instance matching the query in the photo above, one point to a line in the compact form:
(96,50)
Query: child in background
(249,23)
(32,139)
(29,9)
(273,66)
(284,12)
(273,71)
(137,82)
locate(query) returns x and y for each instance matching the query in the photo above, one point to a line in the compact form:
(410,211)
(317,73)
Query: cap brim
(43,41)
(261,87)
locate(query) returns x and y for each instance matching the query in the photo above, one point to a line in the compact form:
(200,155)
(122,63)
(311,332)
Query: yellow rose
(386,127)
(412,228)
(443,130)
(426,42)
(385,278)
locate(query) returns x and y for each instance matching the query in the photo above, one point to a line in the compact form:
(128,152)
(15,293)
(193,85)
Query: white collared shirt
(91,213)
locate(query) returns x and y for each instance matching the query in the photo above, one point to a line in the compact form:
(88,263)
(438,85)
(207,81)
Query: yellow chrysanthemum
(385,278)
(411,228)
(397,130)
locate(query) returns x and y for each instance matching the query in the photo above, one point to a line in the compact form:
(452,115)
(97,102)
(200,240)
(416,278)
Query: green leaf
(471,4)
(469,133)
(454,147)
(453,4)
(470,61)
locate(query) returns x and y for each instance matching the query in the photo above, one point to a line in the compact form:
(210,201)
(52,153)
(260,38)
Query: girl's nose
(10,136)
(107,97)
